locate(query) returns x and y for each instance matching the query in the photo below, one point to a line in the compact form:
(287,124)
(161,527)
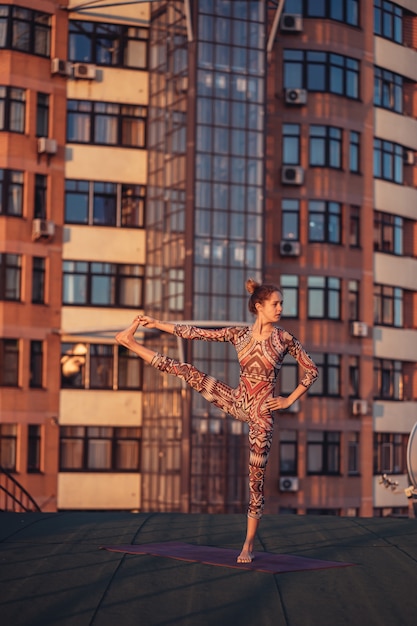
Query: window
(290,293)
(321,71)
(354,227)
(388,305)
(99,449)
(36,364)
(353,300)
(328,382)
(108,44)
(42,115)
(34,449)
(105,123)
(323,452)
(11,192)
(323,297)
(388,233)
(12,109)
(390,453)
(325,146)
(324,221)
(388,90)
(346,11)
(354,152)
(10,276)
(290,216)
(388,161)
(354,370)
(291,144)
(353,453)
(102,284)
(105,204)
(9,362)
(388,379)
(38,280)
(41,183)
(388,20)
(8,444)
(25,30)
(99,366)
(288,452)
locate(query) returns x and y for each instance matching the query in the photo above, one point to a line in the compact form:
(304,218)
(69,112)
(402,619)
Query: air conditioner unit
(292,22)
(61,67)
(288,483)
(292,175)
(47,146)
(359,329)
(296,96)
(42,229)
(408,157)
(85,70)
(289,248)
(359,407)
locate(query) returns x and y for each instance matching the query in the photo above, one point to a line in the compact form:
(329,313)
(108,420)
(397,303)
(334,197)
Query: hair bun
(251,285)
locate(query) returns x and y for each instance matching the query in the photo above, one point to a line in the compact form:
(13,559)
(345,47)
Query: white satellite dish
(412,456)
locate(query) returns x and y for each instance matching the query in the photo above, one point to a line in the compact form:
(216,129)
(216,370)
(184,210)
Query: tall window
(388,161)
(388,233)
(129,369)
(290,292)
(88,283)
(108,44)
(99,449)
(105,204)
(11,192)
(353,453)
(12,109)
(325,146)
(10,276)
(288,452)
(9,362)
(323,452)
(38,280)
(8,445)
(388,19)
(42,115)
(390,453)
(354,227)
(353,300)
(346,11)
(324,297)
(388,379)
(328,382)
(324,221)
(388,90)
(388,305)
(290,216)
(105,123)
(321,71)
(41,183)
(36,364)
(291,144)
(25,30)
(354,152)
(34,449)
(354,365)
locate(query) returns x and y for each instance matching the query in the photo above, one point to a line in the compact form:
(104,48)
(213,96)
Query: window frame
(11,189)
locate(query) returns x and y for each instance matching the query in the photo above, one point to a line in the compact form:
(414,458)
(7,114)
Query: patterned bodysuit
(260,362)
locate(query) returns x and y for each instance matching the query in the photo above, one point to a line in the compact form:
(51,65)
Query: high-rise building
(152,157)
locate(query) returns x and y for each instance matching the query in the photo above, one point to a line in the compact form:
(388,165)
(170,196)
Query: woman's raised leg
(127,339)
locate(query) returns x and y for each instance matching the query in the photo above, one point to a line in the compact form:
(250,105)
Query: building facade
(153,157)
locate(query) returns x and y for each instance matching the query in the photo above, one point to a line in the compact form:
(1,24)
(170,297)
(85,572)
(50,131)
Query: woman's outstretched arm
(151,322)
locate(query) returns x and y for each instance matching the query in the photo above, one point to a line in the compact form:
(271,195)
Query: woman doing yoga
(260,349)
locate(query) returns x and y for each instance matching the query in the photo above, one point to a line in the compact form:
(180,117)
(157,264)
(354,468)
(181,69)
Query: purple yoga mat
(210,555)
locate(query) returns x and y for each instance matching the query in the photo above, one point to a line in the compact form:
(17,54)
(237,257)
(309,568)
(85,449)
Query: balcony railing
(13,497)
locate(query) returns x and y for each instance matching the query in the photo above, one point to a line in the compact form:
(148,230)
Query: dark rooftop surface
(53,572)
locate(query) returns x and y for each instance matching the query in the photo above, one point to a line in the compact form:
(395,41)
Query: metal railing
(13,497)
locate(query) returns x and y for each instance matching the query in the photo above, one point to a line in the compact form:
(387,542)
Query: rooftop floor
(52,572)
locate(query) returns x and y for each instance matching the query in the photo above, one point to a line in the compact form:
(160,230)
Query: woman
(260,349)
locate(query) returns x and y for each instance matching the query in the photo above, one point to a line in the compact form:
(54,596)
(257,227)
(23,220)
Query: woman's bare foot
(246,556)
(126,337)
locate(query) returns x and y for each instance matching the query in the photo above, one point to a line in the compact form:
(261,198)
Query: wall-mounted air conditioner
(292,175)
(359,329)
(42,229)
(47,146)
(289,248)
(288,483)
(61,67)
(292,22)
(359,407)
(84,70)
(296,96)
